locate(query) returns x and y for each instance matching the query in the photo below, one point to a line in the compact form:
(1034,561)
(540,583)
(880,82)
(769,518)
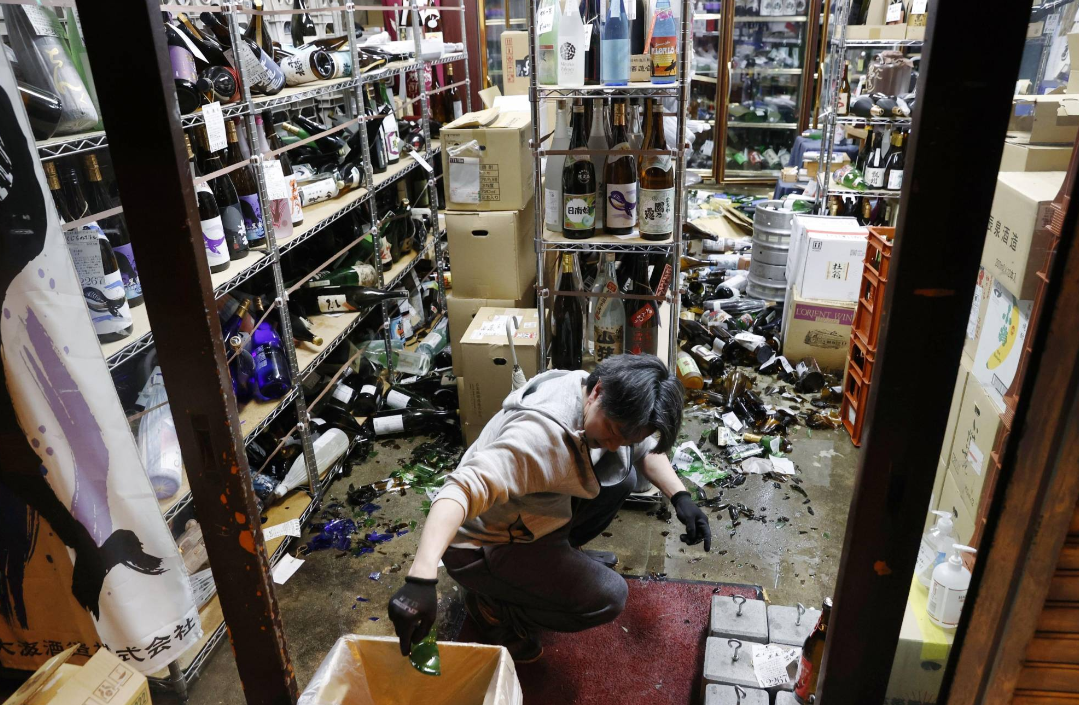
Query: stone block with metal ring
(728,662)
(738,618)
(791,625)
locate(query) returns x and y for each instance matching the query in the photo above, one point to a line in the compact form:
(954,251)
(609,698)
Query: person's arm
(443,521)
(659,471)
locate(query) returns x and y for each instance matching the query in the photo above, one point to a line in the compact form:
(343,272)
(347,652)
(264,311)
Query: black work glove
(696,522)
(413,609)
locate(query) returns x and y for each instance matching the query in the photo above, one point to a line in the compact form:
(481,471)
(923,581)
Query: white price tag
(215,126)
(587,35)
(289,528)
(276,183)
(895,13)
(43,25)
(423,162)
(919,7)
(771,664)
(285,568)
(545,20)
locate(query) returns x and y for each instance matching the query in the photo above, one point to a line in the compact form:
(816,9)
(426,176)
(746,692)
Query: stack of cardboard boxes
(490,226)
(824,274)
(883,20)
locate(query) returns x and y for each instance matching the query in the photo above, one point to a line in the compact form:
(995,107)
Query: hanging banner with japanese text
(85,555)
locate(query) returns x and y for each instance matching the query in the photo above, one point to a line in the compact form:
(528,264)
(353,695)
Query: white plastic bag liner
(365,670)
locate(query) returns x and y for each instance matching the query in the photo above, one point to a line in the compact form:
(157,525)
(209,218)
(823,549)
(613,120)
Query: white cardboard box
(488,364)
(829,264)
(802,224)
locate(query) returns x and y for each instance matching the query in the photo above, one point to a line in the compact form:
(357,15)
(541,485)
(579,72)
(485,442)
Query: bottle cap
(944,520)
(955,558)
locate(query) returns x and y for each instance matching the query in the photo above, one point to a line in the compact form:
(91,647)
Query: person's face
(599,430)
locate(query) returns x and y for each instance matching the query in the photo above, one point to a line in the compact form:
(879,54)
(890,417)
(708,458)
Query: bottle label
(687,366)
(389,424)
(842,104)
(213,237)
(183,64)
(104,293)
(608,341)
(895,180)
(570,63)
(316,191)
(621,205)
(252,67)
(545,19)
(336,303)
(232,220)
(579,211)
(802,683)
(252,213)
(397,400)
(927,556)
(42,25)
(945,604)
(641,340)
(664,56)
(656,208)
(552,207)
(294,200)
(297,69)
(642,316)
(129,273)
(343,393)
(393,146)
(458,109)
(368,389)
(874,177)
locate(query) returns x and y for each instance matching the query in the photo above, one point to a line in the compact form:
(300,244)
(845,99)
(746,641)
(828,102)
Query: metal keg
(768,261)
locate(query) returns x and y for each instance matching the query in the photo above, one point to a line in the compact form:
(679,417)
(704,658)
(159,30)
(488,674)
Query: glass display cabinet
(708,49)
(496,17)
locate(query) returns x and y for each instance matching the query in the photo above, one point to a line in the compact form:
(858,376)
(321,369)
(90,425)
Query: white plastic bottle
(948,592)
(329,447)
(934,549)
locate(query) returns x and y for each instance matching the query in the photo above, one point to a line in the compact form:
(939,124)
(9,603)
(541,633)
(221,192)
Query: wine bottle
(615,45)
(620,177)
(341,299)
(302,330)
(567,321)
(80,58)
(592,18)
(232,326)
(874,170)
(271,365)
(547,47)
(308,64)
(453,98)
(571,47)
(431,22)
(213,54)
(608,316)
(688,373)
(34,36)
(327,144)
(376,138)
(389,125)
(247,189)
(843,103)
(412,422)
(228,203)
(578,182)
(115,228)
(302,24)
(893,174)
(805,683)
(242,369)
(213,230)
(656,195)
(552,177)
(185,76)
(43,108)
(398,397)
(708,361)
(92,255)
(354,271)
(295,206)
(638,29)
(867,151)
(599,138)
(280,208)
(257,31)
(262,71)
(642,315)
(664,46)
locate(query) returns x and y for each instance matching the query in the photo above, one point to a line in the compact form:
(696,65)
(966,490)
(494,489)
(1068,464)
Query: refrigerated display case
(496,17)
(768,57)
(707,57)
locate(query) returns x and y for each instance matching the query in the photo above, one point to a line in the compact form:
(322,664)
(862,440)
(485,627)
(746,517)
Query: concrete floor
(795,561)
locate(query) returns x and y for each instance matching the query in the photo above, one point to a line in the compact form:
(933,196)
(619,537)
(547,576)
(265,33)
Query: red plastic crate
(861,358)
(852,410)
(878,251)
(867,315)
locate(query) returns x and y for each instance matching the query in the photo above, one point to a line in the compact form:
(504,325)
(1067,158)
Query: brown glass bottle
(655,203)
(247,189)
(805,685)
(578,183)
(620,179)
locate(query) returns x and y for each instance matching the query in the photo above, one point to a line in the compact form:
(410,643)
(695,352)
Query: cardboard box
(982,290)
(1018,235)
(103,680)
(471,432)
(1073,76)
(493,253)
(470,428)
(1050,119)
(802,224)
(514,63)
(487,161)
(811,162)
(819,329)
(828,264)
(916,32)
(921,654)
(953,409)
(1021,155)
(488,364)
(879,31)
(951,500)
(1000,344)
(461,311)
(976,434)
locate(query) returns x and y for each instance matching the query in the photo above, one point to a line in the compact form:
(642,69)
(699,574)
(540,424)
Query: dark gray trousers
(548,583)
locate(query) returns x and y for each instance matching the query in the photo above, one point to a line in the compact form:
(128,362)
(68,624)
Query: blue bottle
(271,365)
(614,50)
(664,47)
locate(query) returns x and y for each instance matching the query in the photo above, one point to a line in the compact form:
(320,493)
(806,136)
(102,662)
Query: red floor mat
(652,654)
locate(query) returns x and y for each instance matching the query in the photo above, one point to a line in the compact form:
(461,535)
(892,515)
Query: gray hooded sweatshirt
(517,481)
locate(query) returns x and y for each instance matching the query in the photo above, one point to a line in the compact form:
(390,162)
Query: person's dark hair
(640,394)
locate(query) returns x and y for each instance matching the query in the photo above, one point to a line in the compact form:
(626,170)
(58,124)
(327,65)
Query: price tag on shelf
(276,184)
(289,528)
(545,20)
(423,162)
(215,126)
(895,13)
(587,35)
(919,7)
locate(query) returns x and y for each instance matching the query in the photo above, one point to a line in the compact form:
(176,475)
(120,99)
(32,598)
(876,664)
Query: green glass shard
(424,656)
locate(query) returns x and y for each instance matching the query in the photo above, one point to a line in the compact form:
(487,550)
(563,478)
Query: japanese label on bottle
(919,7)
(334,303)
(608,341)
(368,389)
(343,393)
(895,13)
(641,340)
(298,69)
(213,237)
(252,67)
(393,146)
(252,212)
(316,191)
(874,177)
(545,19)
(294,200)
(687,366)
(104,293)
(276,186)
(396,400)
(656,207)
(389,424)
(642,316)
(895,180)
(621,205)
(579,212)
(842,104)
(233,221)
(183,64)
(664,57)
(43,26)
(215,126)
(125,260)
(552,206)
